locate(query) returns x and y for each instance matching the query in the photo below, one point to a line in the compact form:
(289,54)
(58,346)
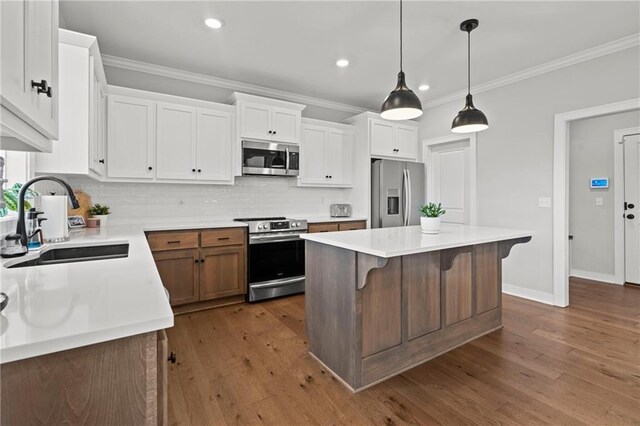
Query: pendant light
(470,119)
(402,103)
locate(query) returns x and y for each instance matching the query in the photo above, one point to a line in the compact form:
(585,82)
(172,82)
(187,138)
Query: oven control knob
(297,223)
(293,224)
(260,226)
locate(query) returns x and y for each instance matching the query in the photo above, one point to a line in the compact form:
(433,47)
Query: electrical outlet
(544,202)
(180,203)
(599,201)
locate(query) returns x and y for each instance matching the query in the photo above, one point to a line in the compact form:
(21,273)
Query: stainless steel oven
(268,158)
(276,257)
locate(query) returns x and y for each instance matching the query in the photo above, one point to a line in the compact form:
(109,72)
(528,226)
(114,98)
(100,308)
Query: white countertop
(64,306)
(322,219)
(400,241)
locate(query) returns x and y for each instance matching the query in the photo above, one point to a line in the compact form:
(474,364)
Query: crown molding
(576,58)
(159,70)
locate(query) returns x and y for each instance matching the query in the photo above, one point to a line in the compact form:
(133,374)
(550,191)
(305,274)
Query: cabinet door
(176,142)
(255,121)
(29,51)
(381,135)
(458,285)
(222,272)
(131,137)
(339,156)
(102,128)
(285,124)
(214,155)
(42,57)
(406,141)
(94,118)
(179,273)
(313,168)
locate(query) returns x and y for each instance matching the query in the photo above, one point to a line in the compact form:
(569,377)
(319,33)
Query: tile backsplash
(139,203)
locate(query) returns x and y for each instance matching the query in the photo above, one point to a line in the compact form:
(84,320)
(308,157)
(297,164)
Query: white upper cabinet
(176,142)
(131,137)
(326,154)
(390,139)
(214,137)
(267,119)
(82,110)
(29,56)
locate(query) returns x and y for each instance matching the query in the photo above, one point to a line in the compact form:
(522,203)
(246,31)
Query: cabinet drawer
(323,227)
(172,240)
(223,237)
(350,226)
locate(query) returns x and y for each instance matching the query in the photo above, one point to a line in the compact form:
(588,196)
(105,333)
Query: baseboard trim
(594,276)
(527,293)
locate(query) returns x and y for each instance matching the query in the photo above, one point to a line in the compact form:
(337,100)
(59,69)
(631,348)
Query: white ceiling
(293,46)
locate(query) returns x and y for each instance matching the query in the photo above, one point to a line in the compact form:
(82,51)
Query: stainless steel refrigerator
(397,191)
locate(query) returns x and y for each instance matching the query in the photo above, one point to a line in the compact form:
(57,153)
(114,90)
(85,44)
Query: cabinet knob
(43,87)
(199,170)
(197,261)
(630,206)
(270,131)
(201,260)
(101,161)
(150,168)
(274,132)
(172,358)
(631,216)
(193,170)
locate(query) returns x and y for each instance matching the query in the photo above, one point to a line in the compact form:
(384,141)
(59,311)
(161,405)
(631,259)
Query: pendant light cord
(400,35)
(468,62)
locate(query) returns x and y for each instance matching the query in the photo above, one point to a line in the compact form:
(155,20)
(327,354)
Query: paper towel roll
(55,210)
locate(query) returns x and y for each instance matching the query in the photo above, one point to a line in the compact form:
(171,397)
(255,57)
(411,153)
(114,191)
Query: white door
(214,145)
(284,125)
(448,180)
(338,156)
(632,214)
(255,121)
(176,142)
(314,146)
(381,134)
(131,137)
(406,142)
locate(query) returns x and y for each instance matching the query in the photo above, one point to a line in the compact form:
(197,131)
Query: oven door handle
(278,283)
(273,239)
(286,161)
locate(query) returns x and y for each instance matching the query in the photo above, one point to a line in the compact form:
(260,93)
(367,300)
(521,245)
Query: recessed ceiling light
(214,23)
(423,87)
(342,63)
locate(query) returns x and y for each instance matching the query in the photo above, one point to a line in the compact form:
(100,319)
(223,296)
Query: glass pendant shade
(401,103)
(469,119)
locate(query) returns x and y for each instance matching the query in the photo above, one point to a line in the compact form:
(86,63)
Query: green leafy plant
(432,210)
(10,196)
(99,209)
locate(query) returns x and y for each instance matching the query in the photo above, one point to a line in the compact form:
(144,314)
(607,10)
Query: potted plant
(101,212)
(430,220)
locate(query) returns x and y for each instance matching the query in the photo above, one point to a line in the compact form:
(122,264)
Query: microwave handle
(286,161)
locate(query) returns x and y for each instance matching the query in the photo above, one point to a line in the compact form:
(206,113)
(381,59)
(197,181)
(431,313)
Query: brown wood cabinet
(212,268)
(337,226)
(119,382)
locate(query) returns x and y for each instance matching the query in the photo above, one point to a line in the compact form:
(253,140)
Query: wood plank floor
(248,364)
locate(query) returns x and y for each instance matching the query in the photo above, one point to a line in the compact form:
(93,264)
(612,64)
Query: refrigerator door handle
(409,192)
(405,187)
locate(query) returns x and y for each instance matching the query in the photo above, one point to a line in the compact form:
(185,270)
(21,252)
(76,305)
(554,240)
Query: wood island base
(370,318)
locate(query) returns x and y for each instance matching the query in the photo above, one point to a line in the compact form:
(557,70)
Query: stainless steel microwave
(268,158)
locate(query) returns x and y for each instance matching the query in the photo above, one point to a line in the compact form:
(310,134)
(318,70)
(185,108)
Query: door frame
(561,189)
(427,158)
(618,200)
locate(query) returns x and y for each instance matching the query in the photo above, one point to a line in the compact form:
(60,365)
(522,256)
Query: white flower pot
(430,225)
(103,219)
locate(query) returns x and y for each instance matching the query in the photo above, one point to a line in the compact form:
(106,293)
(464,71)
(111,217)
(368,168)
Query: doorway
(450,164)
(631,206)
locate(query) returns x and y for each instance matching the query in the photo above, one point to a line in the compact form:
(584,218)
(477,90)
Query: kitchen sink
(77,254)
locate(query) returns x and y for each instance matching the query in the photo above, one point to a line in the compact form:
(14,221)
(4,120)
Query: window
(16,170)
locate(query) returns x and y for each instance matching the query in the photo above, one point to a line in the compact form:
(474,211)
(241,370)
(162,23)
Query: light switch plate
(544,202)
(599,201)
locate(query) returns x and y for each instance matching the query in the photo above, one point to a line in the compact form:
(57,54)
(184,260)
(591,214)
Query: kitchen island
(381,301)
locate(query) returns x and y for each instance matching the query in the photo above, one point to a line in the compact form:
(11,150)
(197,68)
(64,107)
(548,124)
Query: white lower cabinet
(131,137)
(326,156)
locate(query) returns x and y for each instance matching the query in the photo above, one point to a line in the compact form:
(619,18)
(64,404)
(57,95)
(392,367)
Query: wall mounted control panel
(599,183)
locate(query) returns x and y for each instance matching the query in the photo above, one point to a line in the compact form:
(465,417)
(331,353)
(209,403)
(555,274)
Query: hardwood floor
(248,364)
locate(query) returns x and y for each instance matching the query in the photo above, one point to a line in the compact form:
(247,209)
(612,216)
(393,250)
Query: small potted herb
(430,220)
(101,212)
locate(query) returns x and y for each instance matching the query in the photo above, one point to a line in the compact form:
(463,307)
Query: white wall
(591,155)
(140,203)
(515,155)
